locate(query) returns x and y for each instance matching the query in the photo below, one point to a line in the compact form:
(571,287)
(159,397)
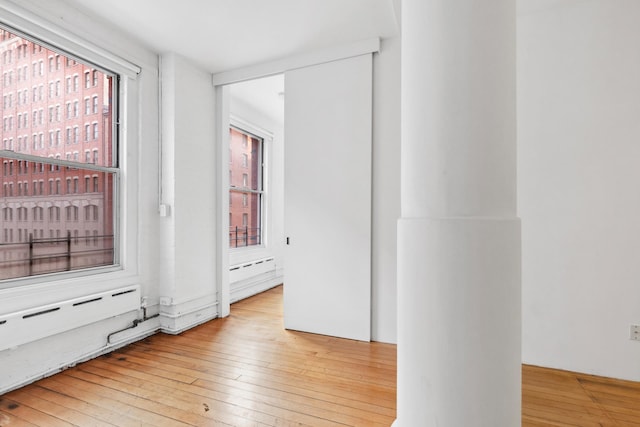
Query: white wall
(578,132)
(189,189)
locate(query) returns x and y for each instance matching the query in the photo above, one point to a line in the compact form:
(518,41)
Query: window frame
(125,83)
(265,137)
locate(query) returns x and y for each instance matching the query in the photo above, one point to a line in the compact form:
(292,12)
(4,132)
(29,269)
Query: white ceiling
(221,35)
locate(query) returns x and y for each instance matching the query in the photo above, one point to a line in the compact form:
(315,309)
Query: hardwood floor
(560,398)
(247,371)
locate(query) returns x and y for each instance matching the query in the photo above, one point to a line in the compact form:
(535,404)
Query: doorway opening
(255,187)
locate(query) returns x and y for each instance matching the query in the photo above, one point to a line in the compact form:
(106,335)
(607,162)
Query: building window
(7,214)
(23,214)
(91,213)
(54,214)
(71,213)
(246,190)
(53,125)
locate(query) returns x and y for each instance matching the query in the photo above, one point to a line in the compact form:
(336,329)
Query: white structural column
(459,236)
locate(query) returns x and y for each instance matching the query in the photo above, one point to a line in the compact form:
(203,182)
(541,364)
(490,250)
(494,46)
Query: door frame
(222,120)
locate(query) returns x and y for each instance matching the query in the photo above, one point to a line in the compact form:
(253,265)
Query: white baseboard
(177,318)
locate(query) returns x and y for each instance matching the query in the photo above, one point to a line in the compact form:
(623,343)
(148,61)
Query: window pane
(45,227)
(53,110)
(246,192)
(246,160)
(55,215)
(244,220)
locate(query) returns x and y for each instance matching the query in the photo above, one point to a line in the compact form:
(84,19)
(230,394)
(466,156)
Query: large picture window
(246,189)
(49,235)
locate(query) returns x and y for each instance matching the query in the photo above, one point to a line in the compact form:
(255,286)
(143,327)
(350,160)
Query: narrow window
(245,216)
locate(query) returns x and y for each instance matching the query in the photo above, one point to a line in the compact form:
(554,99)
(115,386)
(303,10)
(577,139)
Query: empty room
(320,213)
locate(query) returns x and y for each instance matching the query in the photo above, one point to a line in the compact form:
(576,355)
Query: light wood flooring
(246,370)
(560,398)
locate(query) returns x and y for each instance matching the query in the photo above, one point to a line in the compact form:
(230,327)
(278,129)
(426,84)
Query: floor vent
(29,325)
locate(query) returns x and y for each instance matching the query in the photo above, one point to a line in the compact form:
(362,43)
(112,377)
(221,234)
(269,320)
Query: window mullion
(56,162)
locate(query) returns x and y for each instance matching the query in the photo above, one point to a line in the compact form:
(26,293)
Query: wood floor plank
(567,397)
(134,409)
(247,370)
(32,413)
(183,407)
(26,397)
(8,419)
(107,415)
(260,392)
(197,367)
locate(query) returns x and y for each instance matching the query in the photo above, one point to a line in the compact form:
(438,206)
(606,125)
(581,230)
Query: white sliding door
(328,198)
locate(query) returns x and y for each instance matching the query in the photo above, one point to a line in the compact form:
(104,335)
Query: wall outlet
(634,332)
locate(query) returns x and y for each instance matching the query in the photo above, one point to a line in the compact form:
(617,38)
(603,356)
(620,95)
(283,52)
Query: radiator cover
(32,324)
(249,269)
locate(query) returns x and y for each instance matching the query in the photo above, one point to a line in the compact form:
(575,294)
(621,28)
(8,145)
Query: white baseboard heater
(29,325)
(250,269)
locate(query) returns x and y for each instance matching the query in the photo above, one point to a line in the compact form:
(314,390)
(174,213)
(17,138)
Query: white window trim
(16,294)
(242,254)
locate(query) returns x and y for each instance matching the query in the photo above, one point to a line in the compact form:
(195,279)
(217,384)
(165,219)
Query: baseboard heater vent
(29,325)
(246,270)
